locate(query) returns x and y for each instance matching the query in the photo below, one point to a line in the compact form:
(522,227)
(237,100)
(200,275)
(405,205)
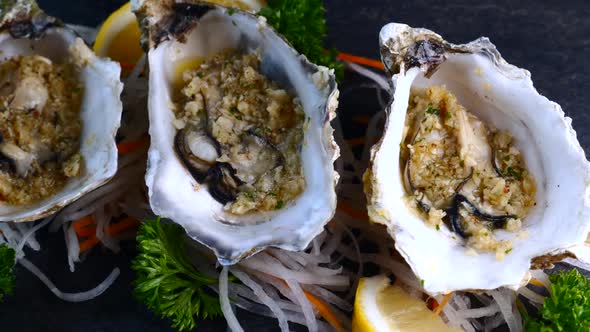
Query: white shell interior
(173,192)
(504,96)
(100,114)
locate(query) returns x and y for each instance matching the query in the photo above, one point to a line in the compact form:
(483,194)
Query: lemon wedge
(382,307)
(118,38)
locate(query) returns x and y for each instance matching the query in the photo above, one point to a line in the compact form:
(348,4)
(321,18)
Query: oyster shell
(192,192)
(501,95)
(27,30)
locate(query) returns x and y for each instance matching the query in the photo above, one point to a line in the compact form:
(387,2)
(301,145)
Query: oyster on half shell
(25,30)
(500,95)
(192,177)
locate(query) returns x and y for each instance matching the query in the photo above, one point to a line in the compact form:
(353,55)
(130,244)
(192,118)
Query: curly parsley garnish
(7,277)
(568,306)
(166,281)
(303,24)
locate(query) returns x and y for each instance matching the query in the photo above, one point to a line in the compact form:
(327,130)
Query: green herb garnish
(432,110)
(507,251)
(568,306)
(279,205)
(166,281)
(7,277)
(303,24)
(507,158)
(513,173)
(236,113)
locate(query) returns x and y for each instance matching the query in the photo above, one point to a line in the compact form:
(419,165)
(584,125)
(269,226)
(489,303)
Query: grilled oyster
(61,111)
(472,153)
(242,149)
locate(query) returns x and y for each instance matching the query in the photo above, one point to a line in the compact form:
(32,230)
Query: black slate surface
(549,38)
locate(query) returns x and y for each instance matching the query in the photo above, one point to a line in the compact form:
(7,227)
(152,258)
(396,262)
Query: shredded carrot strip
(361,60)
(432,303)
(325,311)
(356,141)
(363,119)
(537,282)
(130,146)
(86,231)
(352,212)
(123,225)
(114,229)
(444,302)
(89,243)
(323,308)
(81,224)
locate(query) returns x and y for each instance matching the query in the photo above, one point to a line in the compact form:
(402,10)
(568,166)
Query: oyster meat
(242,149)
(61,110)
(477,176)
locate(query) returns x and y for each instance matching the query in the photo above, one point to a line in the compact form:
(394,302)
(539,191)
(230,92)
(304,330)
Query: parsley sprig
(7,277)
(568,306)
(303,24)
(166,281)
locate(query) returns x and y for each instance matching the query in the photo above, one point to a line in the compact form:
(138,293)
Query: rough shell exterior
(503,95)
(25,30)
(176,31)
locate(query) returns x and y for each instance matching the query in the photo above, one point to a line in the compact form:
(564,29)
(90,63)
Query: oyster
(242,149)
(474,78)
(59,76)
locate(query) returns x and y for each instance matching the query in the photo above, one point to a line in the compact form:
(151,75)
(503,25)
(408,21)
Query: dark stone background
(549,38)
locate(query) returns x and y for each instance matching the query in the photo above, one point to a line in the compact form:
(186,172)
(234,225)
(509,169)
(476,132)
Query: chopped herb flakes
(236,113)
(279,205)
(432,110)
(513,173)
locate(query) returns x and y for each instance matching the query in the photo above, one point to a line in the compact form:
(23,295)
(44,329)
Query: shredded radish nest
(274,283)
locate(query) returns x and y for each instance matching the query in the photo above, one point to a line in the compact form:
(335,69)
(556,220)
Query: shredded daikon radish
(269,265)
(31,232)
(228,313)
(533,297)
(505,300)
(359,271)
(71,297)
(295,317)
(259,292)
(370,74)
(30,241)
(480,312)
(73,246)
(276,283)
(332,244)
(306,306)
(103,220)
(329,297)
